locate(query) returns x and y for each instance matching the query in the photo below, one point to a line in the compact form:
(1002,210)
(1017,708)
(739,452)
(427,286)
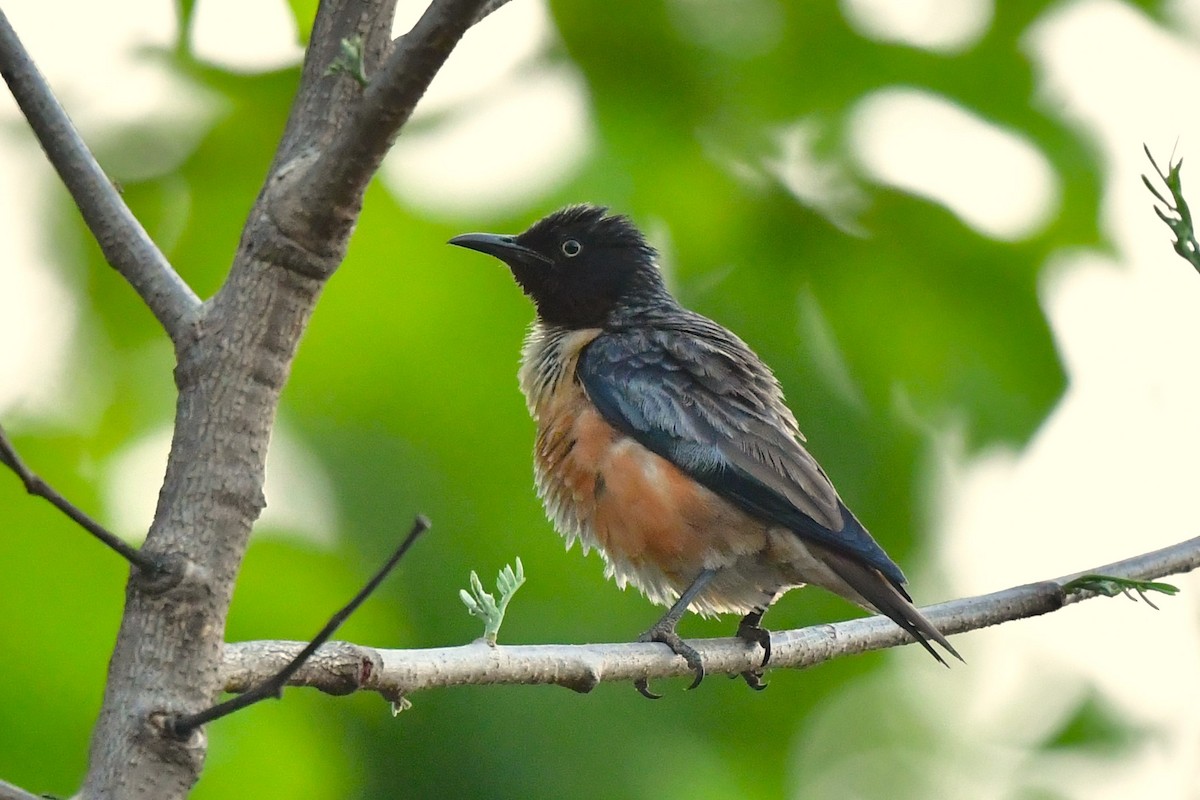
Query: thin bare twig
(125,243)
(582,667)
(34,485)
(273,686)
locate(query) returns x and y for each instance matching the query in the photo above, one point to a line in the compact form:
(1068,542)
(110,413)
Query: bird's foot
(750,631)
(753,679)
(664,631)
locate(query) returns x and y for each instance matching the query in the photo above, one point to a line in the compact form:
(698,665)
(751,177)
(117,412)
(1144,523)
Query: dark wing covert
(697,395)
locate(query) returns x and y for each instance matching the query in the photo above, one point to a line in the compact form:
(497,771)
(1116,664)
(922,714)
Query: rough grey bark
(231,371)
(234,354)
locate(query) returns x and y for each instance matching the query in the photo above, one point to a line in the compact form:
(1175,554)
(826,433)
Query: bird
(663,441)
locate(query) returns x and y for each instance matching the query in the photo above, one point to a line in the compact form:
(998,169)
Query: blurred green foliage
(1095,726)
(405,390)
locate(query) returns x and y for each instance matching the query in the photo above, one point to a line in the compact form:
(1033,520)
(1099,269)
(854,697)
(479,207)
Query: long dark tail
(890,600)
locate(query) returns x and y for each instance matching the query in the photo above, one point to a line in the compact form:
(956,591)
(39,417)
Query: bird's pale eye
(571,248)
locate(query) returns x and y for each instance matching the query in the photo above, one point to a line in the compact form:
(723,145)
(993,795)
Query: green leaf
(481,603)
(1175,212)
(350,61)
(1110,586)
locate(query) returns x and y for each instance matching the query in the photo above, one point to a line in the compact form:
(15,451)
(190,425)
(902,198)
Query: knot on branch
(296,228)
(184,749)
(340,668)
(170,571)
(585,681)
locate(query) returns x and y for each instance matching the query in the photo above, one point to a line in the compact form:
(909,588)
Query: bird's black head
(578,264)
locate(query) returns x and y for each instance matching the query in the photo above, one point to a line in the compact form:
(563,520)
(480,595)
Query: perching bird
(664,441)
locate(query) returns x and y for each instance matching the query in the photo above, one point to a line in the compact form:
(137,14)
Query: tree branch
(320,202)
(183,726)
(341,667)
(123,240)
(37,487)
(488,8)
(230,373)
(10,792)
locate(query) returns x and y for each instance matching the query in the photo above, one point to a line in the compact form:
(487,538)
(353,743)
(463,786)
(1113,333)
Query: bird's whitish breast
(554,400)
(548,362)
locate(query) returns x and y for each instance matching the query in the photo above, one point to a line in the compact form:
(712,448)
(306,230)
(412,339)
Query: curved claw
(754,679)
(664,631)
(643,687)
(750,632)
(666,635)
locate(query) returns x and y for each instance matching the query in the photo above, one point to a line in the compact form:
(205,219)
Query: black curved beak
(500,246)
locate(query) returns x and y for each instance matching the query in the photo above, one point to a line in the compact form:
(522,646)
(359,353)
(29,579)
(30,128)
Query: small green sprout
(351,60)
(482,604)
(1110,586)
(1176,213)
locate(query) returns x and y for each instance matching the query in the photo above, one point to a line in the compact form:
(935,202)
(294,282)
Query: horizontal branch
(183,726)
(123,240)
(340,668)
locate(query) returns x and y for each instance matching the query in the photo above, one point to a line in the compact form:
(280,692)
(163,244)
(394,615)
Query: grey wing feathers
(695,394)
(889,600)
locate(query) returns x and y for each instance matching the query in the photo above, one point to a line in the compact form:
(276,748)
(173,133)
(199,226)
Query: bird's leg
(664,631)
(751,631)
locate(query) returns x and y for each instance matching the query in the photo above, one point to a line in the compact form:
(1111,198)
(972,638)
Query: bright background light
(1113,471)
